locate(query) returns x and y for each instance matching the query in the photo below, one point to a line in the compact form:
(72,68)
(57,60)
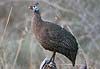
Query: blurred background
(19,48)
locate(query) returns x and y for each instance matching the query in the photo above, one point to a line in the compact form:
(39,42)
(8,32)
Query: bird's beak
(30,7)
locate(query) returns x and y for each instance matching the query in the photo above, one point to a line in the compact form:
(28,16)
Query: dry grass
(4,32)
(3,58)
(19,48)
(20,42)
(31,65)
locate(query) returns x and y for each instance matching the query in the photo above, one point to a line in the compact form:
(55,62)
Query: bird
(53,37)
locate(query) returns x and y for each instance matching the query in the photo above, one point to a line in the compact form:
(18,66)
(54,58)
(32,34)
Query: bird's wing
(62,37)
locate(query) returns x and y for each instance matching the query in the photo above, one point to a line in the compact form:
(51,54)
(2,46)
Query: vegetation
(20,50)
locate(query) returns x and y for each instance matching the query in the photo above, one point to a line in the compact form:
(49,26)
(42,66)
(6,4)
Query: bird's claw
(47,64)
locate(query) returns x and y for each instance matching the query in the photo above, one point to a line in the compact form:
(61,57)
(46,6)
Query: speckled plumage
(54,38)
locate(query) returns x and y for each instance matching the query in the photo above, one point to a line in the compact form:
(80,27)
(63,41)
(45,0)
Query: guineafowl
(53,37)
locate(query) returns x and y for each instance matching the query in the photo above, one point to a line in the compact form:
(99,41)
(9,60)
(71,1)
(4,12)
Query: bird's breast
(40,34)
(43,39)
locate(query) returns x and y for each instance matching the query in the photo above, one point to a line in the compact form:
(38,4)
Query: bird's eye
(35,8)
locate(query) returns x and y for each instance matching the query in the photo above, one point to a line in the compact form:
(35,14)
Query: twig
(2,37)
(19,48)
(70,64)
(31,66)
(61,60)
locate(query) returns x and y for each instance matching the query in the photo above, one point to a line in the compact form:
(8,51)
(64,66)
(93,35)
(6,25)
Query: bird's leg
(53,57)
(51,63)
(51,60)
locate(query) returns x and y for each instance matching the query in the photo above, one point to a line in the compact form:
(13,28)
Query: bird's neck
(37,21)
(37,17)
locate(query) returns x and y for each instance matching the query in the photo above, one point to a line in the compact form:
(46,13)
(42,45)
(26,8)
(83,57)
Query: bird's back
(59,36)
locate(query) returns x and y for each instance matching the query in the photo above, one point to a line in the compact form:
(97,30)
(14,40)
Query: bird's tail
(72,56)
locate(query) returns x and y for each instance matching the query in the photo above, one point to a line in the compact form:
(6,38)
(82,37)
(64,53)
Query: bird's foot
(51,65)
(47,64)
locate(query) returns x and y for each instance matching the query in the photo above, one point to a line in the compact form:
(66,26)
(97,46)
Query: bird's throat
(37,21)
(37,18)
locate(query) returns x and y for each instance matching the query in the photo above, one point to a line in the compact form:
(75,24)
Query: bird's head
(34,7)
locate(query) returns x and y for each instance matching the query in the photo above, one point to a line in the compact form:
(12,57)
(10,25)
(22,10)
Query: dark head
(34,7)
